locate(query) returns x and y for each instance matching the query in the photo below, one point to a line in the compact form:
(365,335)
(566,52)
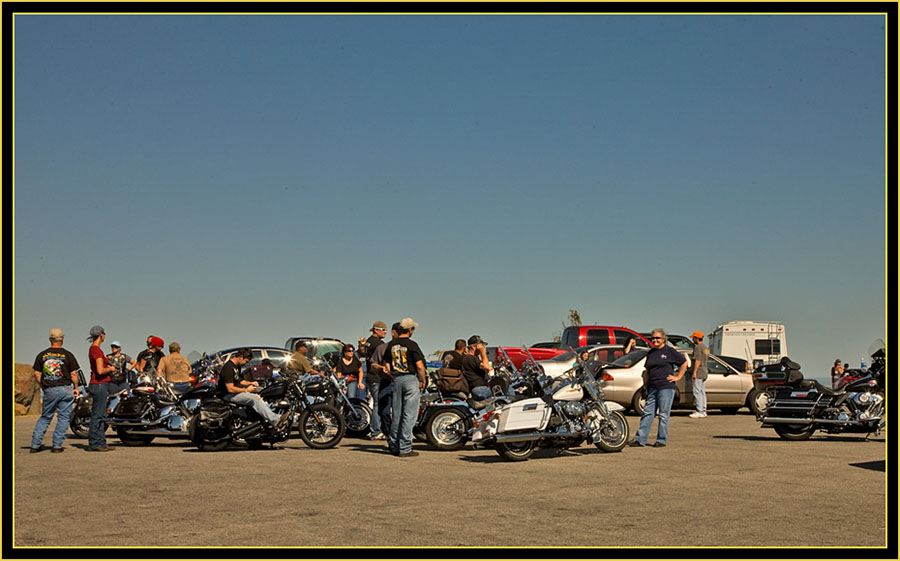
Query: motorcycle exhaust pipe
(525,437)
(794,420)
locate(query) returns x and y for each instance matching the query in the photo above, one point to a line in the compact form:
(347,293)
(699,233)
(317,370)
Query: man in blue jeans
(56,370)
(405,364)
(660,380)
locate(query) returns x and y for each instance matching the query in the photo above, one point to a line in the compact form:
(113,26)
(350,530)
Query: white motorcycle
(569,411)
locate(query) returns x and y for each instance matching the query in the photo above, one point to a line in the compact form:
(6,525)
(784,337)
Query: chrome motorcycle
(80,421)
(801,407)
(570,410)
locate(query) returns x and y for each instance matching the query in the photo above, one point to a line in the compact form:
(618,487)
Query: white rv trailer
(760,342)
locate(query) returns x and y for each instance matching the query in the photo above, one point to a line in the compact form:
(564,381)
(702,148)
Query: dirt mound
(28,393)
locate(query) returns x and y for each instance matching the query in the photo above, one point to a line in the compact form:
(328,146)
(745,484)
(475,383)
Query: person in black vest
(451,359)
(148,359)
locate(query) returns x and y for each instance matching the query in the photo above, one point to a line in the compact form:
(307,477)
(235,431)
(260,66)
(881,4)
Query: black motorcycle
(801,407)
(332,390)
(218,423)
(155,409)
(80,420)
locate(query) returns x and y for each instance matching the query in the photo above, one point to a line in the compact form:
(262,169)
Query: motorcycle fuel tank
(525,414)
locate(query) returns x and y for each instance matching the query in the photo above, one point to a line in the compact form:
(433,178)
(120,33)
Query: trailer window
(768,347)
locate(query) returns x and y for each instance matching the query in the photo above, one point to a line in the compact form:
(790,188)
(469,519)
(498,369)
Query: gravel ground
(722,481)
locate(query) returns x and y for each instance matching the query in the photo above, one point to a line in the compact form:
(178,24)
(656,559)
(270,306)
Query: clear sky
(236,180)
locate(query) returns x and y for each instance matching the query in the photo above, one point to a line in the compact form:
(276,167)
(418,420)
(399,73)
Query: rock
(28,393)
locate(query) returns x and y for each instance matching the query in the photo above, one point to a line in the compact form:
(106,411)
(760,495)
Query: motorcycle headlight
(574,409)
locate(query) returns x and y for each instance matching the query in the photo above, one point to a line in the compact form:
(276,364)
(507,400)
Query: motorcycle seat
(824,390)
(477,405)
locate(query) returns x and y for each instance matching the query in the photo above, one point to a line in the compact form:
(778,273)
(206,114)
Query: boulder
(28,392)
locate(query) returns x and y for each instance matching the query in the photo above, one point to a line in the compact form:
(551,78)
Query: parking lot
(721,481)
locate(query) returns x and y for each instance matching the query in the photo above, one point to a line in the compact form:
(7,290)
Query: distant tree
(574,319)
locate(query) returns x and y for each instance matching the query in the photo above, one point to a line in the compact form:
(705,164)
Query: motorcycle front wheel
(321,426)
(795,432)
(133,439)
(358,423)
(516,451)
(79,425)
(612,433)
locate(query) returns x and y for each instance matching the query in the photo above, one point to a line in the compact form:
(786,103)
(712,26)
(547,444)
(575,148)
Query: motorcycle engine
(868,404)
(574,409)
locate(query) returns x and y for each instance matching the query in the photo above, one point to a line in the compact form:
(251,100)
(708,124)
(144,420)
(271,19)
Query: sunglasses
(656,338)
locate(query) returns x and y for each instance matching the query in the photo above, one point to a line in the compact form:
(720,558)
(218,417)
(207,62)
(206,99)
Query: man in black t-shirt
(451,359)
(235,388)
(148,359)
(475,367)
(56,370)
(373,376)
(405,363)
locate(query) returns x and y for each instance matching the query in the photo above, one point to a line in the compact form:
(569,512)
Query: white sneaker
(697,415)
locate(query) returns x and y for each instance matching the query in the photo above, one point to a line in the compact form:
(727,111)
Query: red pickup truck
(573,336)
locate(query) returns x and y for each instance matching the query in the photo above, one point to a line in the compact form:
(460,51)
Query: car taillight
(606,377)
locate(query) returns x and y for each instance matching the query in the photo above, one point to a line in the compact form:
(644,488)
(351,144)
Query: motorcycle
(801,407)
(155,409)
(80,421)
(446,418)
(217,423)
(357,414)
(569,411)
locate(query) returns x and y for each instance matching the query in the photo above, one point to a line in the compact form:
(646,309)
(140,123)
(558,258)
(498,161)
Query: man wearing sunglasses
(659,369)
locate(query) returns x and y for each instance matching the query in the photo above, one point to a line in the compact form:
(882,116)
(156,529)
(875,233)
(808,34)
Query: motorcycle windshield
(877,345)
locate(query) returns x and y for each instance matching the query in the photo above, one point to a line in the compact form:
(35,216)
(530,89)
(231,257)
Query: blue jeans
(700,394)
(385,404)
(658,401)
(97,429)
(375,422)
(256,402)
(353,391)
(58,399)
(481,392)
(406,411)
(181,387)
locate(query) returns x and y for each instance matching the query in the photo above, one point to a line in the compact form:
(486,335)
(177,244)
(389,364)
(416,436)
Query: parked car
(318,346)
(583,335)
(726,388)
(546,345)
(682,342)
(519,357)
(274,355)
(559,364)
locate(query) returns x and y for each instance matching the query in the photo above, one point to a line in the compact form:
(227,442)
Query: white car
(555,366)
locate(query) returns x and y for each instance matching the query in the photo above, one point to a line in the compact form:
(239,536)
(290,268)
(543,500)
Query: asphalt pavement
(722,481)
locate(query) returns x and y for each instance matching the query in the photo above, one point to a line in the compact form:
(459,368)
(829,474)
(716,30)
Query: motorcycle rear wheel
(613,435)
(516,451)
(440,434)
(795,432)
(79,425)
(321,426)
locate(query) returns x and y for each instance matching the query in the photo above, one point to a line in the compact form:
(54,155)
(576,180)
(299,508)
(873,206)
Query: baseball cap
(56,333)
(96,331)
(408,323)
(116,344)
(697,334)
(476,339)
(378,325)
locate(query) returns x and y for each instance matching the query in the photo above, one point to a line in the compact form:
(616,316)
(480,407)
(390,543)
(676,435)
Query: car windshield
(325,347)
(628,360)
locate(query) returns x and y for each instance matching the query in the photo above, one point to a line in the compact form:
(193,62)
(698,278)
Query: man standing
(56,371)
(699,374)
(120,379)
(659,370)
(175,369)
(234,388)
(373,375)
(99,390)
(836,372)
(385,392)
(475,367)
(405,362)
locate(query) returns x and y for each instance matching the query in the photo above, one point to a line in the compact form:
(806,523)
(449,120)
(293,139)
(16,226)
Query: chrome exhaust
(525,437)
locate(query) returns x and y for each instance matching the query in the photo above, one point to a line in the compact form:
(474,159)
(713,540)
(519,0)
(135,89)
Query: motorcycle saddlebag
(83,405)
(214,414)
(452,380)
(133,406)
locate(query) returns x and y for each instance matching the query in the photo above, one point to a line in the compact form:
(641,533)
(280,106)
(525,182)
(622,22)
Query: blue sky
(230,180)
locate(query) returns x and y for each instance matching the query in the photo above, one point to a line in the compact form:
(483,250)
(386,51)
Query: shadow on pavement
(877,465)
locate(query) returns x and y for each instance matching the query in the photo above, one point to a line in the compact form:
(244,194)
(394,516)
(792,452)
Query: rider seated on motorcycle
(298,362)
(475,367)
(234,388)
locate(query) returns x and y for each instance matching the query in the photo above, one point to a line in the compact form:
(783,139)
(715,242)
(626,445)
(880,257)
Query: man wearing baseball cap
(99,390)
(699,374)
(405,363)
(475,367)
(373,376)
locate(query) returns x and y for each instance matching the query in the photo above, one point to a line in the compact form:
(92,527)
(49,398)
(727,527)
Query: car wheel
(758,401)
(638,402)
